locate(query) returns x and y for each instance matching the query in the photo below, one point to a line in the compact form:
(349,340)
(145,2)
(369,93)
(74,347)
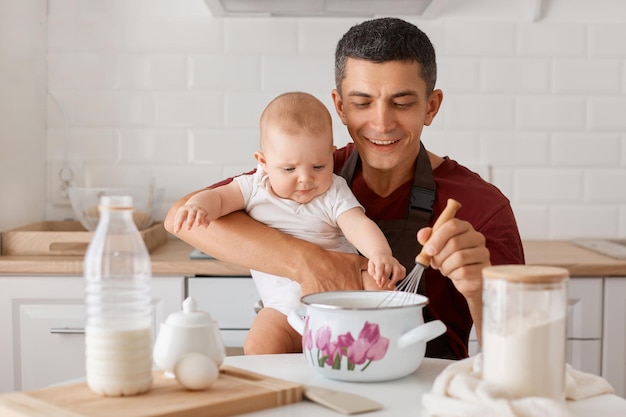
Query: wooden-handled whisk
(411,282)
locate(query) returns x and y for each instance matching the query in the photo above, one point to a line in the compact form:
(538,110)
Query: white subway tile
(482,112)
(61,33)
(589,221)
(551,112)
(189,109)
(133,71)
(515,75)
(180,180)
(61,8)
(154,72)
(243,110)
(578,149)
(606,39)
(168,72)
(97,144)
(484,38)
(261,36)
(175,35)
(320,36)
(58,104)
(459,145)
(607,113)
(112,108)
(179,8)
(87,33)
(504,179)
(153,146)
(224,147)
(549,186)
(532,220)
(99,174)
(515,148)
(458,75)
(81,71)
(578,76)
(553,39)
(225,72)
(287,73)
(605,186)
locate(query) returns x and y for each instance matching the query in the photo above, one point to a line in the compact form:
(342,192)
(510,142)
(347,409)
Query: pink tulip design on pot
(368,347)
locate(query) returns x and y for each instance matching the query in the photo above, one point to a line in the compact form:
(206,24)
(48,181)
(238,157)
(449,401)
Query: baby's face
(299,166)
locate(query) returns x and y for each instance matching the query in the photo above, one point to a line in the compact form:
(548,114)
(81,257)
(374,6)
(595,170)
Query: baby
(295,190)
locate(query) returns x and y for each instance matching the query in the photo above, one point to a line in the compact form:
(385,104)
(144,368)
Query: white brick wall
(159,88)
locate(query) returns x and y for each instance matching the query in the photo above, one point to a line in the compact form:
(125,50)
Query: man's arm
(239,239)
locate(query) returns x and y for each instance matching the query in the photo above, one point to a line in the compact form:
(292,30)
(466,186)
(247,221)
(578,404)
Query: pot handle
(296,319)
(422,333)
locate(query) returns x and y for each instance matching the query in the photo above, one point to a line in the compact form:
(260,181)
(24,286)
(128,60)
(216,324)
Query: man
(385,73)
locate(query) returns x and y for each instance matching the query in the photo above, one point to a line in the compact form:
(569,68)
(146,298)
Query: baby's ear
(260,158)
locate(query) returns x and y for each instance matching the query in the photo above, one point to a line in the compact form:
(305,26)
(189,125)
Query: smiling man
(385,73)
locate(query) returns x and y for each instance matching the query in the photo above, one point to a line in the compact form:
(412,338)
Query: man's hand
(337,271)
(458,252)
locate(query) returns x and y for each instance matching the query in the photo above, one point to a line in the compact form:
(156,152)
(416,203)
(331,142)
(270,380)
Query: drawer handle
(67,330)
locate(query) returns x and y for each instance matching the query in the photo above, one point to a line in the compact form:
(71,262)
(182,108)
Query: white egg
(196,371)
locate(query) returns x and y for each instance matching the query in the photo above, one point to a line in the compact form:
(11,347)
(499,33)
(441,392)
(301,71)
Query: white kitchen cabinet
(614,347)
(584,324)
(42,321)
(231,301)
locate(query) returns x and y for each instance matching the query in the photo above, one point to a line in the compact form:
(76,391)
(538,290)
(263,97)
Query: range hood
(326,8)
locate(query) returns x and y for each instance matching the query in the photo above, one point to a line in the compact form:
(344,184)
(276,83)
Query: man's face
(385,107)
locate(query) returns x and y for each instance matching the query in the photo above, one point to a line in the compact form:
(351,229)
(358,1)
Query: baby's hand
(191,215)
(386,270)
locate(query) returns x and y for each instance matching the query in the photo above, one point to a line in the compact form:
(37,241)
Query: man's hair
(386,39)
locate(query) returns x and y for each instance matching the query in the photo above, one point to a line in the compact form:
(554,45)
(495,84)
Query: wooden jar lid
(526,273)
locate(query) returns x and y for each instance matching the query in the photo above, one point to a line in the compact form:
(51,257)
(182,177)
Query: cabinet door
(585,355)
(42,322)
(614,346)
(51,343)
(230,301)
(584,312)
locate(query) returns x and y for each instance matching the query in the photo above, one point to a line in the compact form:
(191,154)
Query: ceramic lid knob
(190,316)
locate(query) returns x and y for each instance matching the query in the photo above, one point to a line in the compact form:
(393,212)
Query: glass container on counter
(523,334)
(118,274)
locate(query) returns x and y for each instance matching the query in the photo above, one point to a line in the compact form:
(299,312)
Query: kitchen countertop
(172,258)
(402,397)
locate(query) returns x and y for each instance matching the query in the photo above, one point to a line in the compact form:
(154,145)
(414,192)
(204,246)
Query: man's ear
(338,105)
(260,158)
(434,104)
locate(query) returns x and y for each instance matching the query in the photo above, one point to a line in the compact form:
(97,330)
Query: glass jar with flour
(523,335)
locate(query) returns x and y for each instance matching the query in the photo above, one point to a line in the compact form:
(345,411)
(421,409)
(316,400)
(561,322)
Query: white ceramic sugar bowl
(187,331)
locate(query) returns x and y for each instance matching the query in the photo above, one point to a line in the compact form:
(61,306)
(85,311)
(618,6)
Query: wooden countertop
(172,258)
(579,261)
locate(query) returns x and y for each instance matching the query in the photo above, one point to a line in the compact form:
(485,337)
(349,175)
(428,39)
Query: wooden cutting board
(236,391)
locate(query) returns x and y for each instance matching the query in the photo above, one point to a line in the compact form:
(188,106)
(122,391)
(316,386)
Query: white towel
(459,391)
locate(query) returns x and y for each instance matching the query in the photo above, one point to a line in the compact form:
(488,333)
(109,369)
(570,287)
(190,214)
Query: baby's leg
(271,333)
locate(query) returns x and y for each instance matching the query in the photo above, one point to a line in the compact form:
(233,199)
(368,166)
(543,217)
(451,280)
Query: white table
(400,398)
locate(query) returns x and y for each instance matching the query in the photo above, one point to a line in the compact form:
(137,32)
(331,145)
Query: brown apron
(402,233)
